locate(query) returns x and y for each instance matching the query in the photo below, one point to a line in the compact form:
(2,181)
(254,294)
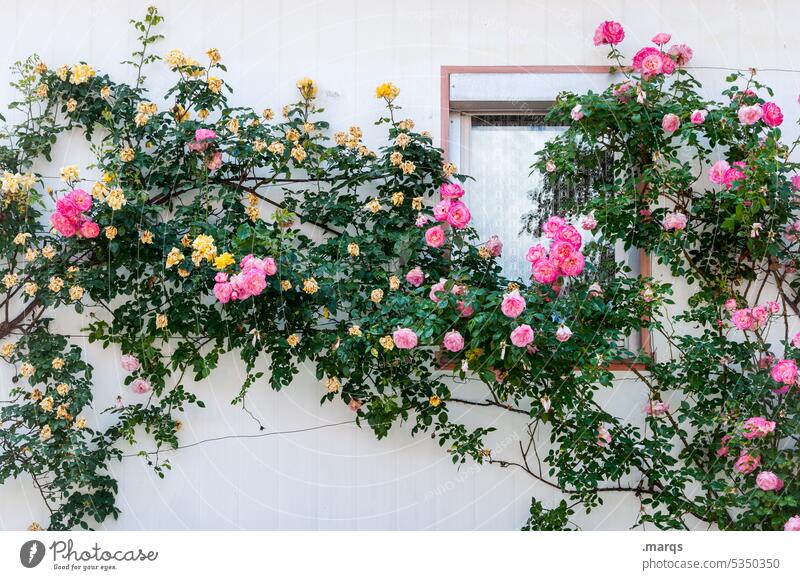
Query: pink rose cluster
(250,281)
(757,427)
(464,309)
(754,318)
(202,139)
(723,173)
(768,112)
(785,373)
(451,210)
(563,258)
(131,364)
(69,218)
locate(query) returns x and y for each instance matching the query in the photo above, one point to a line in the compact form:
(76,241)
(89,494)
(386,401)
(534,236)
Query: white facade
(342,477)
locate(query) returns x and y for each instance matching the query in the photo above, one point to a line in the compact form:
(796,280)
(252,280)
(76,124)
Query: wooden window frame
(446,110)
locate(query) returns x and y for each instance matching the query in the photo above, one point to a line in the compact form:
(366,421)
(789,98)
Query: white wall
(341,477)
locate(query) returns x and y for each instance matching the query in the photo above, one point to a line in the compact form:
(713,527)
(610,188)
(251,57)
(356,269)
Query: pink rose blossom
(795,181)
(785,371)
(603,436)
(560,251)
(661,38)
(451,191)
(436,289)
(730,304)
(743,319)
(563,334)
(749,115)
(441,209)
(609,32)
(576,113)
(796,340)
(768,481)
(621,92)
(589,223)
(404,338)
(650,62)
(130,363)
(756,427)
(453,341)
(569,235)
(747,463)
(495,246)
(140,386)
(681,53)
(670,123)
(215,161)
(63,224)
(421,221)
(536,253)
(522,335)
(773,116)
(81,199)
(573,265)
(552,225)
(415,277)
(458,215)
(675,221)
(792,524)
(724,449)
(760,314)
(66,206)
(656,408)
(354,404)
(434,236)
(513,304)
(718,171)
(89,229)
(545,271)
(464,310)
(204,134)
(698,117)
(550,166)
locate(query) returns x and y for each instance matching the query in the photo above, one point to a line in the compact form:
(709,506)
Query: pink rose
(796,340)
(451,191)
(563,334)
(434,236)
(204,134)
(89,229)
(795,181)
(670,123)
(730,304)
(81,199)
(421,221)
(441,209)
(436,289)
(63,224)
(768,481)
(550,166)
(609,32)
(656,408)
(698,117)
(354,404)
(675,221)
(404,338)
(552,225)
(649,62)
(536,253)
(569,235)
(545,271)
(661,38)
(743,319)
(513,304)
(247,283)
(223,291)
(760,314)
(603,436)
(458,215)
(723,450)
(560,251)
(749,115)
(718,171)
(681,53)
(495,246)
(773,116)
(453,341)
(66,206)
(747,463)
(130,363)
(522,335)
(785,371)
(621,92)
(588,223)
(792,524)
(573,265)
(215,161)
(140,386)
(415,277)
(576,113)
(757,427)
(464,310)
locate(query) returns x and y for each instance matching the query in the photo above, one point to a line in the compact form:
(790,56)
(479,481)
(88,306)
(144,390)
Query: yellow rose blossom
(394,283)
(57,363)
(175,58)
(204,249)
(396,158)
(10,280)
(72,104)
(62,72)
(233,125)
(146,237)
(354,330)
(127,154)
(45,433)
(203,113)
(69,173)
(21,238)
(7,349)
(47,404)
(99,191)
(48,252)
(484,253)
(40,68)
(31,254)
(332,384)
(26,370)
(73,269)
(397,198)
(376,295)
(62,412)
(56,284)
(449,169)
(105,92)
(268,114)
(402,140)
(62,389)
(174,257)
(223,261)
(186,241)
(30,288)
(308,127)
(80,423)
(116,199)
(111,232)
(307,87)
(353,249)
(292,135)
(293,340)
(213,55)
(406,124)
(387,342)
(374,205)
(259,145)
(182,272)
(42,90)
(76,292)
(416,203)
(407,167)
(310,286)
(285,111)
(387,91)
(36,395)
(286,285)
(214,84)
(298,153)
(276,147)
(435,400)
(161,321)
(81,73)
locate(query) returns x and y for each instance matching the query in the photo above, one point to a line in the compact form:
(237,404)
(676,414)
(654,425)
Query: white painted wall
(342,477)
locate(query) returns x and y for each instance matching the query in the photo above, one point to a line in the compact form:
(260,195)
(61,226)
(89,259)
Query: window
(493,123)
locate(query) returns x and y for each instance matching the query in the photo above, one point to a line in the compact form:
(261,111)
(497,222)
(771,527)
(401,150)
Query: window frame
(447,109)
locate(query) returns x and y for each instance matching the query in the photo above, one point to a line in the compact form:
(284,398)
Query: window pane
(501,150)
